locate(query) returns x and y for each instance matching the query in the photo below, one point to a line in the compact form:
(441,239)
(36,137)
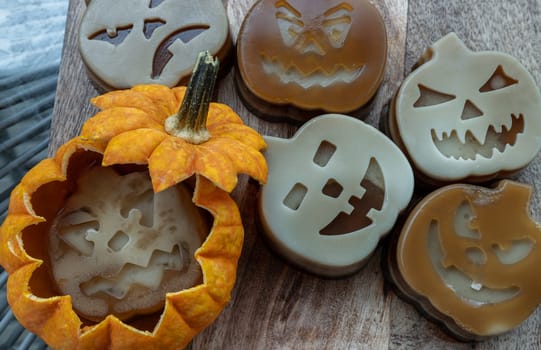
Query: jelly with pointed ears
(467,116)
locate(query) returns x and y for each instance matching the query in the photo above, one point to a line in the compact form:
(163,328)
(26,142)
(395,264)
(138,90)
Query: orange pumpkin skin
(131,123)
(170,161)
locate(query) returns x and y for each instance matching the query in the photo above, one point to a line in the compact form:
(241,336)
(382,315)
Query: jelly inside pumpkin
(90,269)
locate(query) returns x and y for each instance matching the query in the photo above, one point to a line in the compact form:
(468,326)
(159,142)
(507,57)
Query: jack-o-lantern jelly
(117,247)
(464,116)
(469,256)
(334,190)
(297,58)
(125,43)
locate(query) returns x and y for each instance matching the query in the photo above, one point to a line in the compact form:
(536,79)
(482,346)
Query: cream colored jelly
(125,43)
(469,256)
(464,115)
(117,247)
(333,190)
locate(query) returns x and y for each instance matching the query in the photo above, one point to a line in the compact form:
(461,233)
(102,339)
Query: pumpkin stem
(190,122)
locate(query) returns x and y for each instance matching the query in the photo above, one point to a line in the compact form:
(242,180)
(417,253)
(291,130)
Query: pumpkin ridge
(39,315)
(70,148)
(113,121)
(161,95)
(223,186)
(119,330)
(109,333)
(212,198)
(211,254)
(166,170)
(218,300)
(245,159)
(240,132)
(121,98)
(216,168)
(123,148)
(214,248)
(190,302)
(13,225)
(222,114)
(172,322)
(103,341)
(218,277)
(45,171)
(179,312)
(24,260)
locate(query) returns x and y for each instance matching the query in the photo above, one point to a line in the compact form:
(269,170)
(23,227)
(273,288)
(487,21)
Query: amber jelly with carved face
(468,255)
(467,116)
(310,55)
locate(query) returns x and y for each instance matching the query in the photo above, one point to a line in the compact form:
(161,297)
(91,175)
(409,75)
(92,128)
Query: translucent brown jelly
(471,254)
(314,55)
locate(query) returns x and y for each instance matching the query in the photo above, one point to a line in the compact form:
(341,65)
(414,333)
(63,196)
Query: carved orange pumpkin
(128,134)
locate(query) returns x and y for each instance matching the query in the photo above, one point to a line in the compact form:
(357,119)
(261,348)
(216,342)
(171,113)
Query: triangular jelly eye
(498,80)
(155,3)
(289,21)
(337,24)
(151,25)
(430,97)
(288,8)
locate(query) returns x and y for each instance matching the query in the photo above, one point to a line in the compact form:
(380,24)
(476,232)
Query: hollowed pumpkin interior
(50,201)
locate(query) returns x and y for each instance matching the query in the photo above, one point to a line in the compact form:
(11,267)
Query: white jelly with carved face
(117,247)
(333,191)
(123,41)
(465,113)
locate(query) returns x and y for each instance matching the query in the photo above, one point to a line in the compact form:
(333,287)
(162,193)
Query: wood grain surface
(276,306)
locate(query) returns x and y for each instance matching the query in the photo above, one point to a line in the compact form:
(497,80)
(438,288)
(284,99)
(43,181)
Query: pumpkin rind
(233,147)
(130,130)
(188,311)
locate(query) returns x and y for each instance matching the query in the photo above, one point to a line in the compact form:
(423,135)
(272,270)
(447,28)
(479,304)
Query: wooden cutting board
(275,306)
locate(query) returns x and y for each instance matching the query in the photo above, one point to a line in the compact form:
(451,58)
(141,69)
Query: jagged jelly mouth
(320,78)
(497,138)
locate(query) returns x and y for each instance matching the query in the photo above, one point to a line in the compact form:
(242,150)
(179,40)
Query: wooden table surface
(275,306)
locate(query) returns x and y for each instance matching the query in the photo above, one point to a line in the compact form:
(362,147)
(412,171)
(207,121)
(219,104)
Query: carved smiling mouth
(317,78)
(468,147)
(358,219)
(472,292)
